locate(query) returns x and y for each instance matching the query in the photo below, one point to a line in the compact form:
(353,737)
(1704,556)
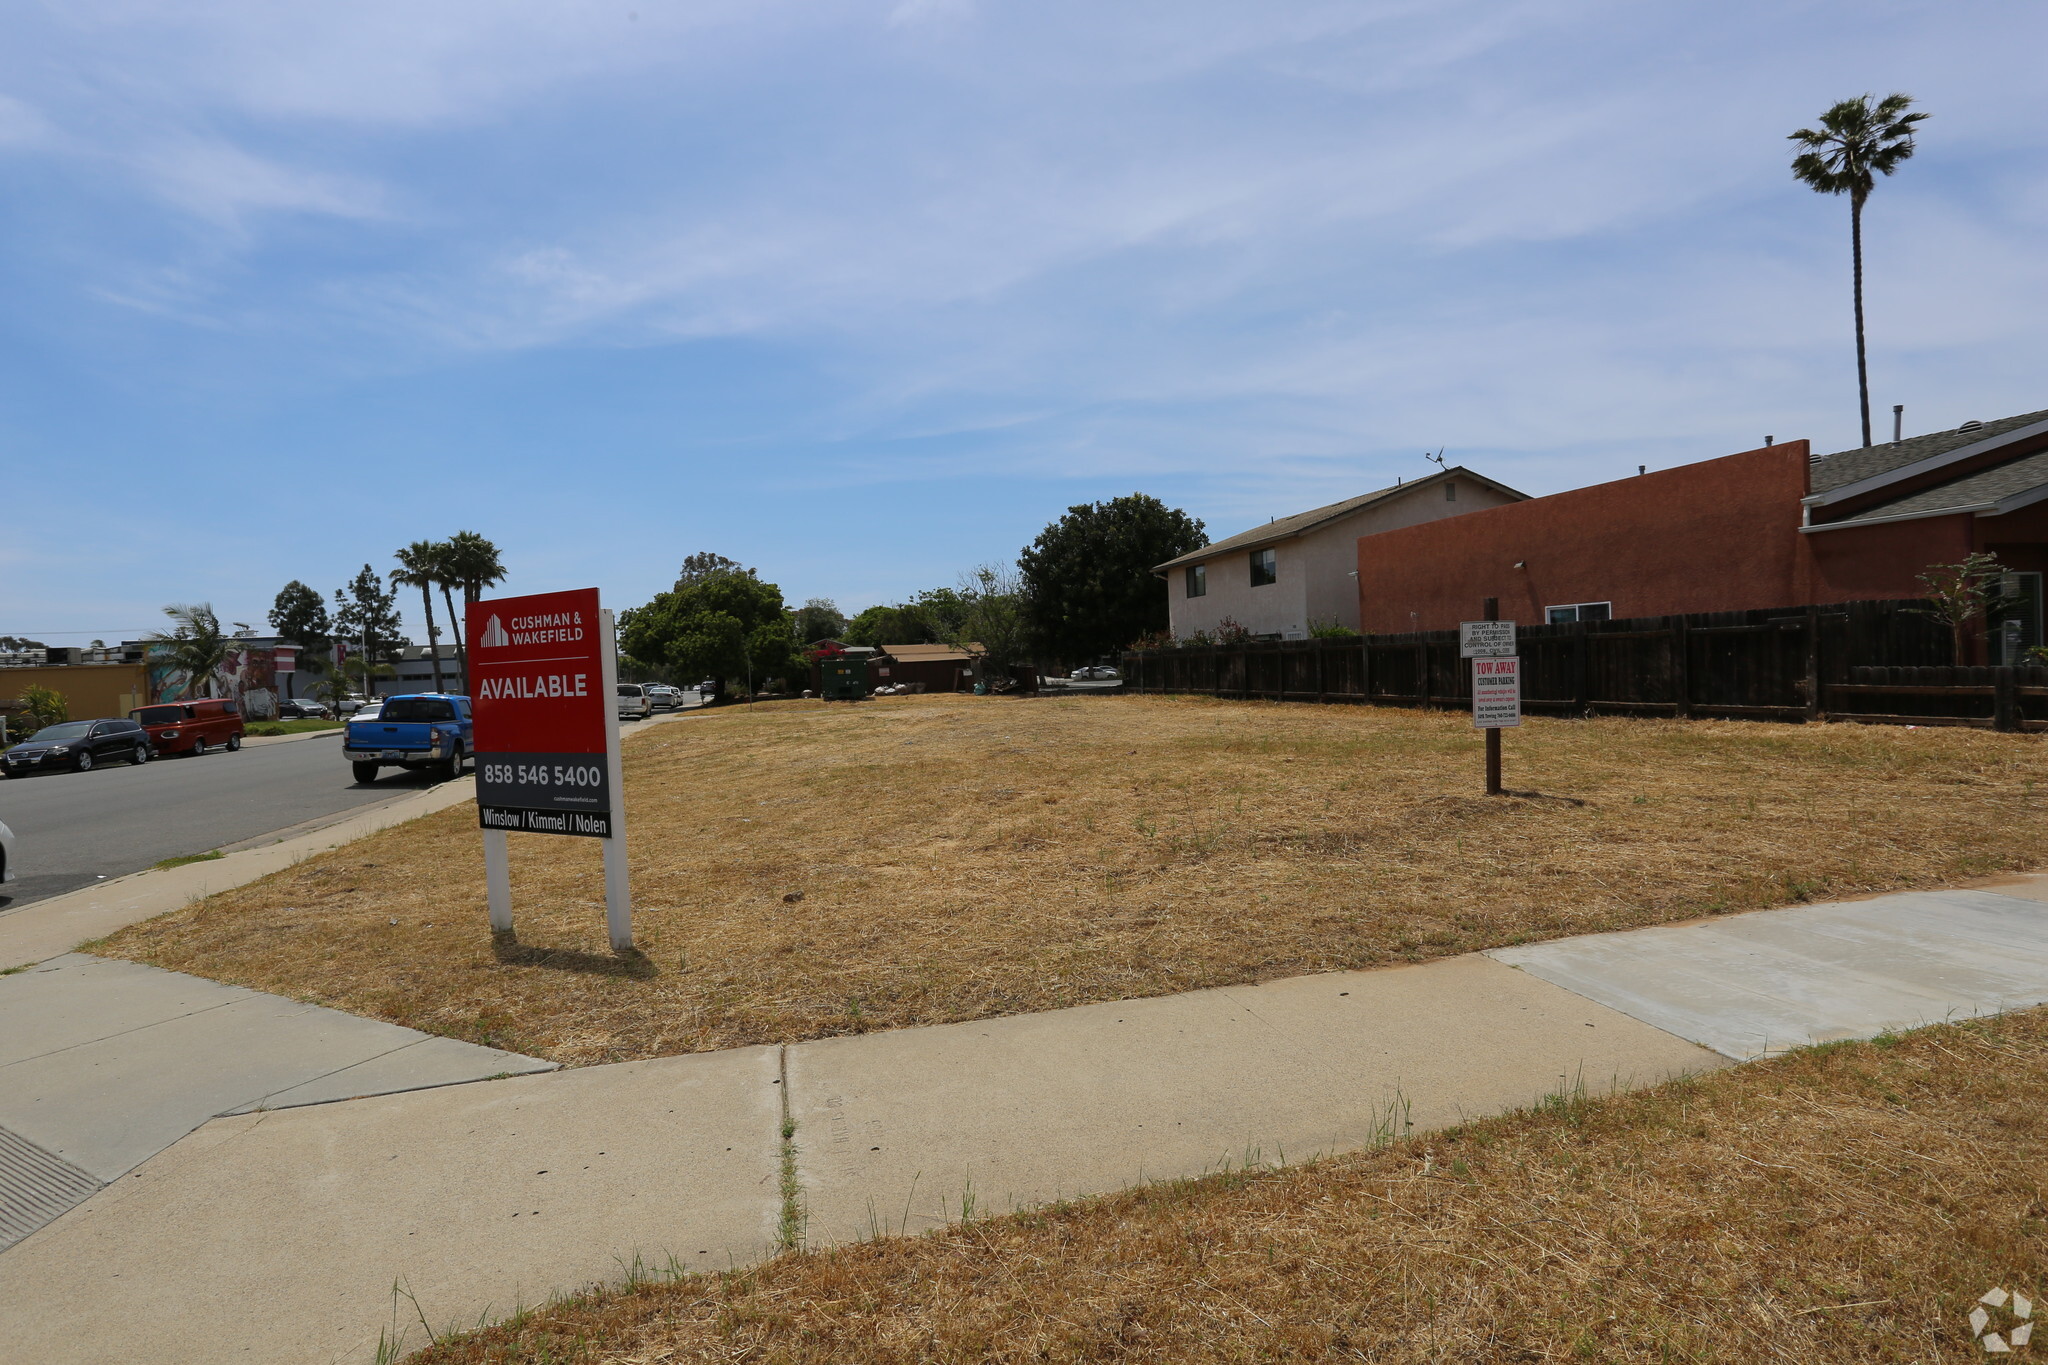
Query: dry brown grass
(1844,1204)
(965,857)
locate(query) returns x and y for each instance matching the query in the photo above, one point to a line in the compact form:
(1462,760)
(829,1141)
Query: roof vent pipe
(1770,440)
(1898,422)
(1970,425)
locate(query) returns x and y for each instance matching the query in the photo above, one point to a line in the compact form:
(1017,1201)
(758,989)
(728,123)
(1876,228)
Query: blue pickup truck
(424,730)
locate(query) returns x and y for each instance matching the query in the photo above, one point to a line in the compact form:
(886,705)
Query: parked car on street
(300,708)
(662,697)
(367,710)
(633,703)
(423,730)
(79,745)
(6,854)
(192,727)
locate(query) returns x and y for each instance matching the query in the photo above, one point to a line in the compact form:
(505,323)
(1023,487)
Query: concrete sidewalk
(278,1236)
(103,1064)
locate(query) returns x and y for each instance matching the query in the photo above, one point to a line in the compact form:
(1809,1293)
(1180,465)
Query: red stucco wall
(1720,535)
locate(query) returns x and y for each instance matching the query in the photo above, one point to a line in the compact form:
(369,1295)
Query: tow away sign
(1496,693)
(543,714)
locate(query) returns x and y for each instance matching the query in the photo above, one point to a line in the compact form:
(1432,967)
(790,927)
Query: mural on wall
(248,674)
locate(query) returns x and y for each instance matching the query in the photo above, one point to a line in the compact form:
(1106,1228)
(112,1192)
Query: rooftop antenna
(1436,459)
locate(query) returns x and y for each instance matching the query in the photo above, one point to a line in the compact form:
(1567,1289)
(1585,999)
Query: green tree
(727,624)
(38,706)
(1088,584)
(419,565)
(905,624)
(366,619)
(194,647)
(1962,593)
(1857,140)
(472,564)
(300,615)
(988,620)
(702,565)
(819,619)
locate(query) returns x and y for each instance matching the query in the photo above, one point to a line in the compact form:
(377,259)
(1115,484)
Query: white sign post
(1496,683)
(618,893)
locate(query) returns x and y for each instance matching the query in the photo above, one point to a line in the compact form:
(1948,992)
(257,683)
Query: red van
(192,727)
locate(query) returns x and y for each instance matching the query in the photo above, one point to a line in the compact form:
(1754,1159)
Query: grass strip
(207,857)
(1845,1203)
(269,728)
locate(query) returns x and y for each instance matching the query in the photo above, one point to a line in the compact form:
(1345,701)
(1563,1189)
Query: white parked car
(1094,673)
(6,854)
(368,710)
(633,702)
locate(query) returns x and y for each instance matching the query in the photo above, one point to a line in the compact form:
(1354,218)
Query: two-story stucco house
(1277,579)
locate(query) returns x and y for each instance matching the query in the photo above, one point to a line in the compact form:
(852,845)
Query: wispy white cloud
(1259,253)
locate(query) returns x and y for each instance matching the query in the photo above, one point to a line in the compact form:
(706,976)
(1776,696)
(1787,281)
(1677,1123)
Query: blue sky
(865,292)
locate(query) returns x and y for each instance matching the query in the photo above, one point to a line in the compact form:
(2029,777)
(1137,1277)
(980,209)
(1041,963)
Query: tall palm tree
(1857,139)
(472,563)
(446,581)
(417,564)
(195,646)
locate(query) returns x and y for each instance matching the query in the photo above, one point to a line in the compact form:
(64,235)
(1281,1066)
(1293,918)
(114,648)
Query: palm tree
(471,562)
(1856,138)
(417,564)
(445,580)
(195,646)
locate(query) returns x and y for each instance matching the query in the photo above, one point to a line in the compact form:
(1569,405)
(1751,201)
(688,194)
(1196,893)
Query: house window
(1198,580)
(1579,611)
(1265,568)
(1451,491)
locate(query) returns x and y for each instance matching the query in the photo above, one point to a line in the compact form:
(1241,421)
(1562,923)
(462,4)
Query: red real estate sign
(542,714)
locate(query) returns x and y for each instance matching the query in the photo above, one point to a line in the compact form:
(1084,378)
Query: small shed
(940,668)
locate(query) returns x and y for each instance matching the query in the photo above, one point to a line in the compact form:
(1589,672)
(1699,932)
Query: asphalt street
(72,829)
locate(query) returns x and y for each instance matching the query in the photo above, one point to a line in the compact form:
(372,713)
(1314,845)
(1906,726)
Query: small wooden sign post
(1496,682)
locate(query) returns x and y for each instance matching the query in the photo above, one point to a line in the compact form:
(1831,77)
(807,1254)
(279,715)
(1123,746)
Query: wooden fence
(1799,663)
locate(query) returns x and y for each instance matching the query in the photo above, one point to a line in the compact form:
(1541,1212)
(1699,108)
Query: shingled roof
(2008,484)
(1286,528)
(1845,467)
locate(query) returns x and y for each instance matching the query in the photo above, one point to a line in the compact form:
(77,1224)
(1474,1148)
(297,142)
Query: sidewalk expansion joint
(789,1226)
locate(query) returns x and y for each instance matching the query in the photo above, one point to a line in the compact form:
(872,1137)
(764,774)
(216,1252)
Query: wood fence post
(1813,684)
(1581,701)
(1681,666)
(1322,681)
(2005,699)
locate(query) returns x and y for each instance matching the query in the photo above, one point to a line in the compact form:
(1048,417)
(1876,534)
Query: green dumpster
(842,679)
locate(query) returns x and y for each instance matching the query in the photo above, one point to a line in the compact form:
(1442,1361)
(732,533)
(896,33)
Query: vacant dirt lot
(1845,1204)
(804,870)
